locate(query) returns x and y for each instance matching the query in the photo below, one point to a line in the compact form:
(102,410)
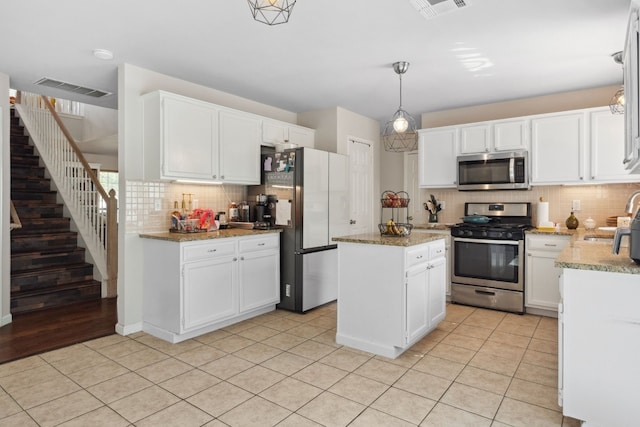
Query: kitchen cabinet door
(437,297)
(301,136)
(275,132)
(208,291)
(259,279)
(558,148)
(631,69)
(416,302)
(475,138)
(180,138)
(542,289)
(239,148)
(510,135)
(607,147)
(437,152)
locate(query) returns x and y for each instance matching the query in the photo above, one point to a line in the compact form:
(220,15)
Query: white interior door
(361,186)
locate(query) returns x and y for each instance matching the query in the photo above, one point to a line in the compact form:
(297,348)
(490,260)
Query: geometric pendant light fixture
(399,133)
(617,100)
(271,12)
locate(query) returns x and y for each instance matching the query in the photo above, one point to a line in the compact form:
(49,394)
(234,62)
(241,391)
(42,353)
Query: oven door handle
(492,242)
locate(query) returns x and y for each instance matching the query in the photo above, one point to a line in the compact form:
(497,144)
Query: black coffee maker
(262,212)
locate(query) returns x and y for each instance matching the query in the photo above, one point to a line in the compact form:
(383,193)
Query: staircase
(48,269)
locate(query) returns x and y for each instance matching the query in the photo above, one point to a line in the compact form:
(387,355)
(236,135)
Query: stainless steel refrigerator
(312,189)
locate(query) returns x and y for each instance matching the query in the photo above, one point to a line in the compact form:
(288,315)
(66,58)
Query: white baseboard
(128,329)
(5,320)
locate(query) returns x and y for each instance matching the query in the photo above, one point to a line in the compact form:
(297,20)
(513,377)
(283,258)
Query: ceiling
(330,53)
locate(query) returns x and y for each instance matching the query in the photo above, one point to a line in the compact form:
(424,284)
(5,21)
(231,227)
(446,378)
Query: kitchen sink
(598,238)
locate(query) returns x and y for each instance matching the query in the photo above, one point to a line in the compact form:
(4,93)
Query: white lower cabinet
(191,288)
(599,348)
(541,283)
(389,297)
(446,234)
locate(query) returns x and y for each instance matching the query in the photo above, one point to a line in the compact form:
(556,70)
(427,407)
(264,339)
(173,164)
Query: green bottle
(572,222)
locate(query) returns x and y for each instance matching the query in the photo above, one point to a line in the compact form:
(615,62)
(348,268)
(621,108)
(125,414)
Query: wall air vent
(432,8)
(70,87)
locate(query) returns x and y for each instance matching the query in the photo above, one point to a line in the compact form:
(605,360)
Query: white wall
(5,165)
(134,81)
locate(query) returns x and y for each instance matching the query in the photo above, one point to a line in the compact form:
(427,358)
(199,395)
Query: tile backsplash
(149,203)
(596,201)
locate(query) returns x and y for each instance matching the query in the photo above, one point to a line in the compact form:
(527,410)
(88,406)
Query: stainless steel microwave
(507,170)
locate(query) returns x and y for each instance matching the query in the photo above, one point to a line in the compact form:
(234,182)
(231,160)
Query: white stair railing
(77,184)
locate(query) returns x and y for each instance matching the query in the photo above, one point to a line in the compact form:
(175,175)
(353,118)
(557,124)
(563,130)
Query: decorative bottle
(572,222)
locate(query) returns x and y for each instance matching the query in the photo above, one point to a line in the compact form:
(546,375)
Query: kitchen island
(598,330)
(391,290)
(195,283)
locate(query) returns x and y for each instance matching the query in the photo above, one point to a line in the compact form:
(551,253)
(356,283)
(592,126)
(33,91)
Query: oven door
(491,263)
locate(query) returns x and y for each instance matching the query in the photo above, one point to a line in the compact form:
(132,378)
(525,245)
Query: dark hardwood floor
(44,330)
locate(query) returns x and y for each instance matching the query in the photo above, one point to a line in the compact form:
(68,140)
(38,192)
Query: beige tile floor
(478,368)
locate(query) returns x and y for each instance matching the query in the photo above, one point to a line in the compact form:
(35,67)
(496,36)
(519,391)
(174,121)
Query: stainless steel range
(488,256)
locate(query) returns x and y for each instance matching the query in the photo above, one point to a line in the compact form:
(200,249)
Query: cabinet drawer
(417,256)
(207,250)
(259,244)
(437,249)
(547,243)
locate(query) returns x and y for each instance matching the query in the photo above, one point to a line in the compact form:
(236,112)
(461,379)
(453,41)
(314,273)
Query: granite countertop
(433,226)
(377,239)
(219,234)
(587,255)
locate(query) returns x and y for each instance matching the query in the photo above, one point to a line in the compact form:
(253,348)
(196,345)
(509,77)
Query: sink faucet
(632,198)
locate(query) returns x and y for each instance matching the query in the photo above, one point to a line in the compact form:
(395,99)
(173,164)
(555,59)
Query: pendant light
(399,133)
(271,12)
(617,100)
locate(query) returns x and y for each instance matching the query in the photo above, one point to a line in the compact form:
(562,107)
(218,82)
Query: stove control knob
(509,235)
(468,233)
(484,233)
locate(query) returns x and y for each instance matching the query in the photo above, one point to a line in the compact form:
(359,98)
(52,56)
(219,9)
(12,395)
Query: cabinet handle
(221,176)
(551,244)
(235,259)
(419,257)
(241,258)
(215,176)
(211,250)
(260,244)
(352,221)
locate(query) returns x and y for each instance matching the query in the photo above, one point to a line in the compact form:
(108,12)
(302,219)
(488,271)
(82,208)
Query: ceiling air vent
(432,8)
(70,87)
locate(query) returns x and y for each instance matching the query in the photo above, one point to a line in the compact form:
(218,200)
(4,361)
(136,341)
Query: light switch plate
(575,205)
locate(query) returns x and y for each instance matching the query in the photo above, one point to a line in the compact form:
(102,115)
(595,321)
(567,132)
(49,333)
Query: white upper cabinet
(581,146)
(607,147)
(437,152)
(558,148)
(475,138)
(276,132)
(180,137)
(510,135)
(632,93)
(239,148)
(499,135)
(184,138)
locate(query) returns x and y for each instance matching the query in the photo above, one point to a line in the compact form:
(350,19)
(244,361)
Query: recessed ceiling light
(103,54)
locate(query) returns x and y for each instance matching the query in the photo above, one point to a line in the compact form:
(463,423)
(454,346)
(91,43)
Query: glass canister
(244,212)
(233,212)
